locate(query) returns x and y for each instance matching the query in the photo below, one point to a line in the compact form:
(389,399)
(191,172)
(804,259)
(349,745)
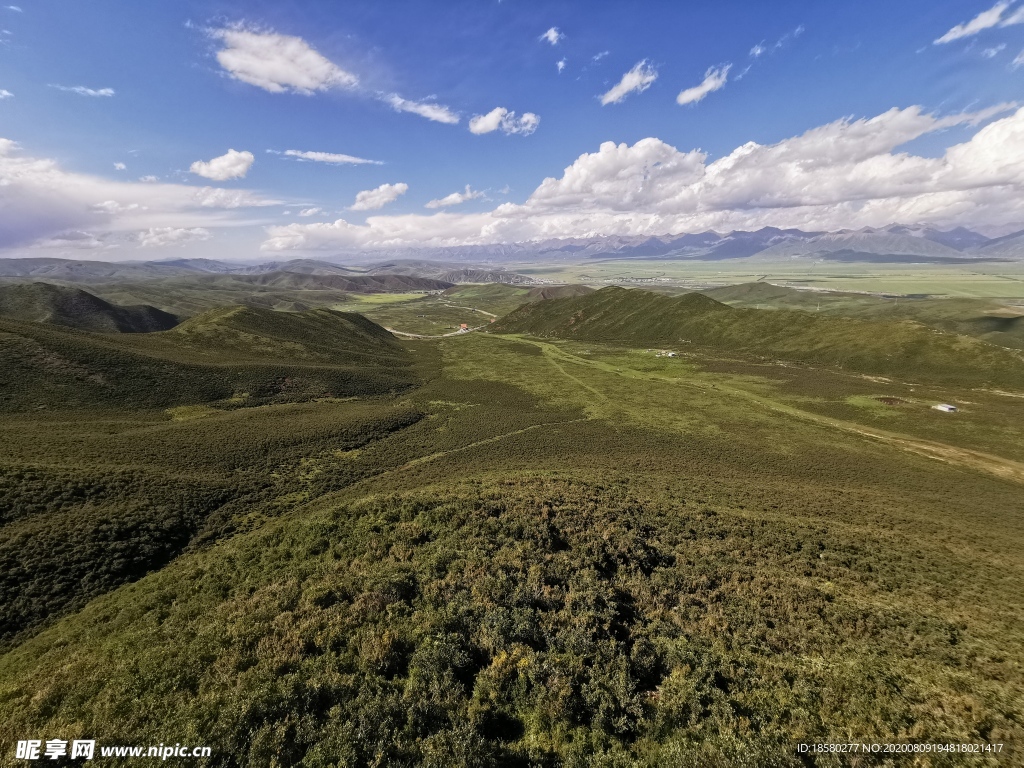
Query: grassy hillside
(542,293)
(548,554)
(75,308)
(997,322)
(643,319)
(195,292)
(245,354)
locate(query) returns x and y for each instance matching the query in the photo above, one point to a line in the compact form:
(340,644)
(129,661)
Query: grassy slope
(645,319)
(75,308)
(578,557)
(224,353)
(187,295)
(986,319)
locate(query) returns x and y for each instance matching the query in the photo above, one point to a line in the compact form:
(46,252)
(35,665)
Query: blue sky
(165,88)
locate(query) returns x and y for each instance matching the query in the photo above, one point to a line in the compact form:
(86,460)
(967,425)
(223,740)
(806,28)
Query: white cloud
(216,197)
(42,202)
(456,198)
(231,165)
(601,55)
(120,166)
(76,240)
(329,157)
(758,50)
(81,90)
(150,179)
(714,80)
(5,94)
(277,63)
(984,20)
(991,53)
(1018,60)
(372,199)
(636,80)
(561,65)
(113,206)
(284,63)
(310,211)
(552,36)
(506,121)
(848,173)
(155,237)
(14,8)
(1017,17)
(428,109)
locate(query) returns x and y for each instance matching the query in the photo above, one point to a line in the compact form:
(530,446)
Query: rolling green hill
(256,355)
(75,308)
(643,319)
(987,319)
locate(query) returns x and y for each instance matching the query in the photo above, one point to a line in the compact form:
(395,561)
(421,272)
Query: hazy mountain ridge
(896,242)
(452,264)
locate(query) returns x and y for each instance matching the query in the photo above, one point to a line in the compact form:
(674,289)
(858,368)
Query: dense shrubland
(539,555)
(522,621)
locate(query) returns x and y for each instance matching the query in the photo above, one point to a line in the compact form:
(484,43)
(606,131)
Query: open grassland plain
(1002,280)
(542,549)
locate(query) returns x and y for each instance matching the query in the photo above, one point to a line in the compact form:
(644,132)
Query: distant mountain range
(896,243)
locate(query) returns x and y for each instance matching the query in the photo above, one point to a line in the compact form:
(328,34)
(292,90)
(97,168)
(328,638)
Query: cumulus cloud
(636,80)
(81,90)
(231,165)
(714,80)
(277,63)
(42,202)
(456,198)
(552,36)
(310,211)
(329,157)
(155,237)
(506,121)
(984,20)
(4,94)
(120,166)
(847,173)
(560,65)
(372,199)
(428,109)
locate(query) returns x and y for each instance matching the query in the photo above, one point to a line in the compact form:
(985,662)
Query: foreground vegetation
(537,551)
